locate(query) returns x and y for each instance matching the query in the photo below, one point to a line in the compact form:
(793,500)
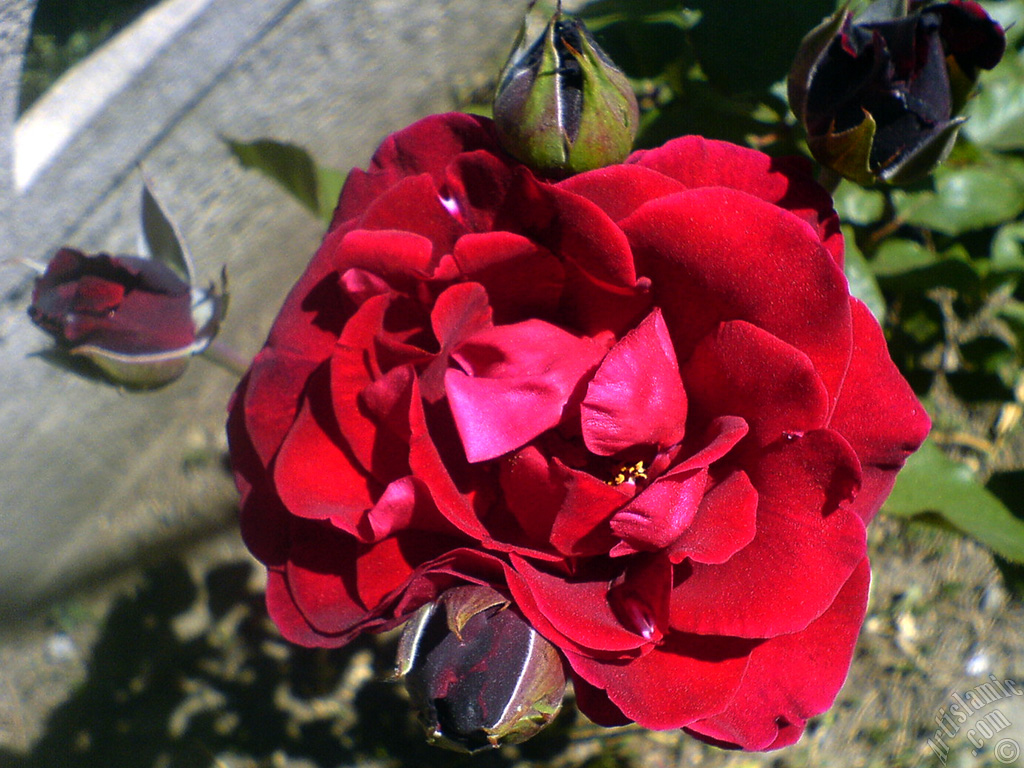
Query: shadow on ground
(190,674)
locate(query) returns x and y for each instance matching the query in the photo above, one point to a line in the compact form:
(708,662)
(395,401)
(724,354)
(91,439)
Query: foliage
(66,31)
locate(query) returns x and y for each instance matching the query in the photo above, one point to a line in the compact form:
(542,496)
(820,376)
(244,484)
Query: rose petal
(659,514)
(793,677)
(518,381)
(595,704)
(620,189)
(695,245)
(427,464)
(426,146)
(877,413)
(581,525)
(576,607)
(723,525)
(636,398)
(804,550)
(413,206)
(271,398)
(315,473)
(685,678)
(742,370)
(785,181)
(522,279)
(460,311)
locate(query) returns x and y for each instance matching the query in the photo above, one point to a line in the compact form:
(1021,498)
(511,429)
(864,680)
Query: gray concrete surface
(92,479)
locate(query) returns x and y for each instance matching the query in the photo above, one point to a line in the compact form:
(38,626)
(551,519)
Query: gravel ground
(178,666)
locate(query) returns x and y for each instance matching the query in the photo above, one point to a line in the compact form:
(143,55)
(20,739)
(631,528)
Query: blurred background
(132,631)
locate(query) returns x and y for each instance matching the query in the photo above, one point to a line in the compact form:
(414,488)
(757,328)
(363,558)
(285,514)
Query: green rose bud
(478,674)
(562,106)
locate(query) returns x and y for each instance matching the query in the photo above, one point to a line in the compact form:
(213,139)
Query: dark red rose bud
(478,674)
(880,95)
(135,318)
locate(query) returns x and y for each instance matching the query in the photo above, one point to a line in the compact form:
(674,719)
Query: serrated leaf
(965,199)
(858,274)
(932,483)
(289,165)
(159,239)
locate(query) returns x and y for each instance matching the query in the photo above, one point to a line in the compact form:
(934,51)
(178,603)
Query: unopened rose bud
(478,674)
(880,95)
(562,106)
(135,318)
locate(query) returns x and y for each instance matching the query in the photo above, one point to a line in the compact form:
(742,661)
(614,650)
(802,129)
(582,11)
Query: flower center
(629,473)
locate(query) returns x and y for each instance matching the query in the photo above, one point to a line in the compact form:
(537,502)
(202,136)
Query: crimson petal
(693,245)
(806,546)
(793,677)
(785,181)
(877,413)
(636,398)
(725,522)
(685,678)
(742,370)
(519,379)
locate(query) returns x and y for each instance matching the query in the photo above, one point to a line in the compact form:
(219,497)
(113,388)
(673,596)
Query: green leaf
(965,199)
(932,483)
(895,256)
(288,164)
(858,273)
(1007,253)
(329,184)
(996,113)
(159,238)
(858,205)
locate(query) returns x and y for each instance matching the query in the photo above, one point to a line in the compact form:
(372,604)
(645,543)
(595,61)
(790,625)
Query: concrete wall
(91,478)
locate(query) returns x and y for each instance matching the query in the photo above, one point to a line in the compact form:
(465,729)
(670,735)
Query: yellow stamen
(629,474)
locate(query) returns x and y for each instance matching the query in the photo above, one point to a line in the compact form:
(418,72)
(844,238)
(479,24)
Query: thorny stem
(226,357)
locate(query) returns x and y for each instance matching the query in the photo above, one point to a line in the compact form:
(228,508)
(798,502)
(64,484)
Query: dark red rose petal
(427,146)
(742,370)
(725,522)
(517,383)
(576,607)
(459,312)
(315,473)
(272,395)
(522,279)
(805,548)
(659,514)
(581,525)
(787,182)
(716,254)
(685,678)
(793,677)
(636,398)
(877,413)
(620,189)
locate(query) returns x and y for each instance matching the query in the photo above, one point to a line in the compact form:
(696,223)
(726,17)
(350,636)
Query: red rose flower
(640,403)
